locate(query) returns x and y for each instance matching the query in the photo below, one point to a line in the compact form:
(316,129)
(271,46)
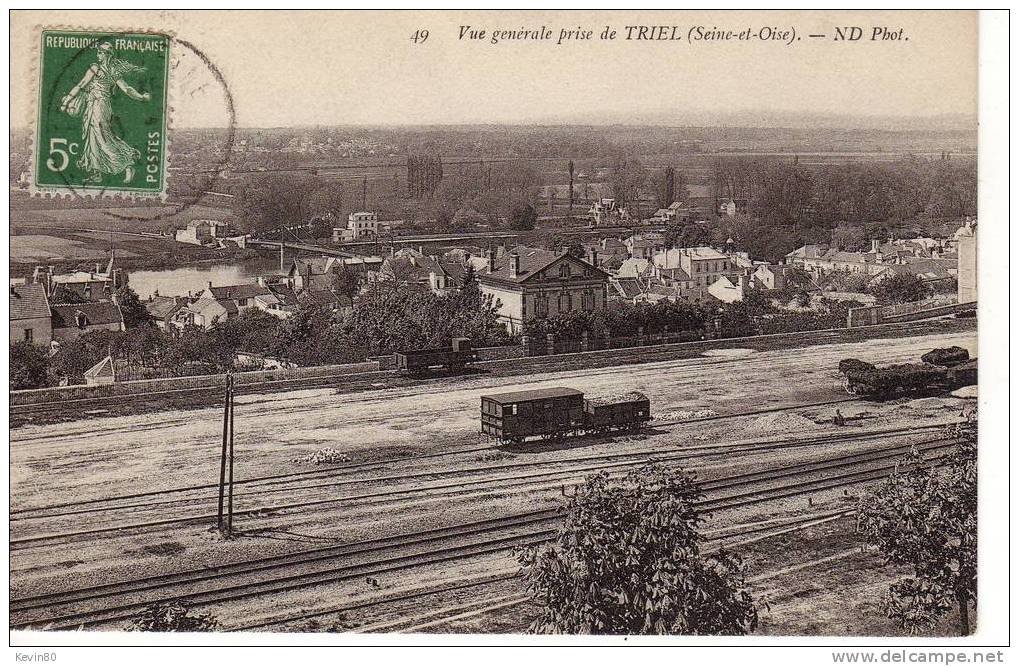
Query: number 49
(419,37)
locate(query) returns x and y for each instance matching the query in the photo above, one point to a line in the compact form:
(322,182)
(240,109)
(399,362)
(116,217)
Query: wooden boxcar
(454,358)
(624,412)
(514,416)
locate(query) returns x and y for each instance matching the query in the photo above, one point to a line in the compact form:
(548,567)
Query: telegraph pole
(230,498)
(227,400)
(281,248)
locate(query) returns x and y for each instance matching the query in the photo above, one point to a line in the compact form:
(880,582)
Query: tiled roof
(96,314)
(675,273)
(285,295)
(313,265)
(28,301)
(80,277)
(532,261)
(627,287)
(238,291)
(162,307)
(103,368)
(634,267)
(210,306)
(808,251)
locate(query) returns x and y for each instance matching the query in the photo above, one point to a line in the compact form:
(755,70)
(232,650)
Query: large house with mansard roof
(527,283)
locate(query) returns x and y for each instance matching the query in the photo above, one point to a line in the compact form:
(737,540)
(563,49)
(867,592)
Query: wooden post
(230,497)
(222,460)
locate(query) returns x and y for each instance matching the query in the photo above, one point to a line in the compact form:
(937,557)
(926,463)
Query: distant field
(116,216)
(153,219)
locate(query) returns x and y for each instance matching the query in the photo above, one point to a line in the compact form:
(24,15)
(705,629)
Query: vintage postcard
(376,326)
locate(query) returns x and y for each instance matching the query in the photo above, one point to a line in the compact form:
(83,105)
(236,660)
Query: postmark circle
(55,101)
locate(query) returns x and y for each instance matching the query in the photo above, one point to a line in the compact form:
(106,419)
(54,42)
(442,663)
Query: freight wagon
(555,413)
(454,358)
(905,379)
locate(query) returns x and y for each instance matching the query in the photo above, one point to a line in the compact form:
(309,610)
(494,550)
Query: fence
(918,306)
(876,314)
(548,345)
(81,392)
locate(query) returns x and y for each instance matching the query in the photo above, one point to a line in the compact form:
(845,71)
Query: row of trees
(784,193)
(758,313)
(621,319)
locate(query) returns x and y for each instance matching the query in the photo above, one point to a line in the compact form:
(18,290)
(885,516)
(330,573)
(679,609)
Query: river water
(193,279)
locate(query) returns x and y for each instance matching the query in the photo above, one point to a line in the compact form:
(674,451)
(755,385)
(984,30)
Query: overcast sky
(329,68)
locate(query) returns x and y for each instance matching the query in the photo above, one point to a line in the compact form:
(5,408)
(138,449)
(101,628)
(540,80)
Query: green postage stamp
(101,117)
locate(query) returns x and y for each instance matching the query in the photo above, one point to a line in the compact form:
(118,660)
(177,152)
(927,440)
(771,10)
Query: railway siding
(493,360)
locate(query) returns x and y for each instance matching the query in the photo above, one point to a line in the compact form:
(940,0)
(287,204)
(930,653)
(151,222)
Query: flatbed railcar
(905,379)
(556,413)
(454,358)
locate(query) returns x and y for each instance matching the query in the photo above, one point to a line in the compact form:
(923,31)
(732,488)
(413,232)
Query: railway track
(476,607)
(242,580)
(445,488)
(332,469)
(379,464)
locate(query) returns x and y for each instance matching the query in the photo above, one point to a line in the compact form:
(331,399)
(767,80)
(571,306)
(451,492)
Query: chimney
(210,286)
(491,261)
(592,256)
(261,280)
(99,268)
(744,282)
(514,265)
(875,245)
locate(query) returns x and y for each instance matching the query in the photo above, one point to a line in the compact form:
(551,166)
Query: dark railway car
(895,380)
(625,412)
(554,413)
(514,416)
(943,369)
(963,374)
(946,356)
(454,358)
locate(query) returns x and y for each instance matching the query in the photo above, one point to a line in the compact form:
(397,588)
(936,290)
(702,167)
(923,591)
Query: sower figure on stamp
(103,151)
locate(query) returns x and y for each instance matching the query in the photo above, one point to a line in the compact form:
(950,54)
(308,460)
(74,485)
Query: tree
(629,181)
(76,356)
(29,366)
(523,218)
(172,617)
(346,281)
(194,351)
(901,288)
(326,200)
(926,518)
(628,561)
(668,191)
(687,235)
(569,211)
(255,331)
(273,200)
(132,308)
